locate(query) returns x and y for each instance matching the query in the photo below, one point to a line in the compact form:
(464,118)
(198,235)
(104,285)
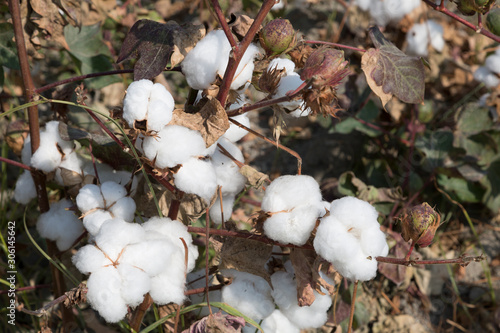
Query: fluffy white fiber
(282,63)
(290,83)
(348,236)
(25,188)
(148,101)
(235,133)
(198,177)
(292,227)
(285,296)
(277,322)
(116,234)
(250,294)
(489,73)
(423,34)
(173,145)
(216,214)
(229,178)
(60,225)
(386,11)
(210,57)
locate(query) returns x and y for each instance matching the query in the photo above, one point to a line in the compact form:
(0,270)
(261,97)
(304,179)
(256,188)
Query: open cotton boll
(245,68)
(48,157)
(93,221)
(287,192)
(173,145)
(89,197)
(159,115)
(418,40)
(236,133)
(134,285)
(436,35)
(483,74)
(290,83)
(277,322)
(104,294)
(25,188)
(354,212)
(198,177)
(282,63)
(60,225)
(493,63)
(135,103)
(229,178)
(112,192)
(72,162)
(250,294)
(89,259)
(227,205)
(115,234)
(285,296)
(124,209)
(169,286)
(151,255)
(292,227)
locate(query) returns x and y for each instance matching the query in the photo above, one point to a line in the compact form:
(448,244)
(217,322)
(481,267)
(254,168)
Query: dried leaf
(241,25)
(76,295)
(211,121)
(50,20)
(302,261)
(16,133)
(154,44)
(391,72)
(219,322)
(254,177)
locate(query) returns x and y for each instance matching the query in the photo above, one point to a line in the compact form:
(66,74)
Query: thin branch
(17,164)
(341,46)
(441,8)
(353,304)
(222,21)
(462,261)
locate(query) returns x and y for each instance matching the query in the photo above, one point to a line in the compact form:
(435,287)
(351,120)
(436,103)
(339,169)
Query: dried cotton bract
(348,236)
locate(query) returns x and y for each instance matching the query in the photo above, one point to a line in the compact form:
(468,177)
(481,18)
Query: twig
(353,304)
(341,46)
(222,21)
(207,244)
(17,164)
(462,261)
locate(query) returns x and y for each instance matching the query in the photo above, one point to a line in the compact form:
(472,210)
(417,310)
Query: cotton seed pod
(420,224)
(493,21)
(326,66)
(277,36)
(471,7)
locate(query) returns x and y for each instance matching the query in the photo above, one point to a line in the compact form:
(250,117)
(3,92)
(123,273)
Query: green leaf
(492,183)
(8,51)
(473,119)
(460,188)
(436,147)
(397,74)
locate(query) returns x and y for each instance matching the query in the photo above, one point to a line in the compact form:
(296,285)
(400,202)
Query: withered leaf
(302,261)
(391,72)
(50,20)
(154,44)
(211,121)
(255,178)
(241,25)
(217,323)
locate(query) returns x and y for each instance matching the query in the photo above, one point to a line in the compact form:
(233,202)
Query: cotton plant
(384,12)
(421,35)
(129,260)
(489,74)
(350,238)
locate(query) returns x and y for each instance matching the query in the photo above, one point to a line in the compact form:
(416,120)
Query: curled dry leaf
(49,20)
(218,322)
(76,295)
(171,42)
(240,25)
(254,177)
(211,120)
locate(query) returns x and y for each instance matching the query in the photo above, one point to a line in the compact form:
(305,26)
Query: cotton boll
(104,294)
(124,209)
(173,145)
(135,103)
(89,259)
(289,83)
(227,205)
(159,115)
(236,133)
(89,197)
(71,162)
(112,192)
(363,4)
(227,172)
(198,177)
(115,234)
(354,213)
(245,67)
(292,227)
(152,256)
(287,192)
(277,322)
(418,40)
(493,63)
(483,74)
(373,242)
(436,35)
(282,63)
(135,284)
(93,221)
(168,287)
(48,157)
(201,63)
(250,294)
(25,188)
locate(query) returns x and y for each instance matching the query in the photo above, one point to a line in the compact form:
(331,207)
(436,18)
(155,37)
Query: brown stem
(240,49)
(353,304)
(139,312)
(223,23)
(342,46)
(444,10)
(462,261)
(38,177)
(17,164)
(207,244)
(261,104)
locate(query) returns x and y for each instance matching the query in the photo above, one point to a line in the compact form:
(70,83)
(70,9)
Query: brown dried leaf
(76,295)
(246,255)
(50,20)
(369,62)
(164,311)
(16,133)
(255,178)
(300,54)
(211,121)
(217,323)
(241,25)
(302,261)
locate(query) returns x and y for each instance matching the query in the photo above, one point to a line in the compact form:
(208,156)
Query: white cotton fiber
(89,197)
(173,145)
(287,192)
(198,177)
(168,286)
(285,296)
(236,133)
(290,83)
(124,209)
(135,103)
(483,74)
(229,178)
(89,259)
(48,157)
(159,115)
(348,236)
(282,63)
(60,225)
(72,162)
(112,192)
(94,220)
(227,205)
(250,294)
(152,255)
(115,234)
(135,284)
(277,322)
(386,11)
(25,188)
(436,35)
(104,294)
(245,68)
(493,63)
(292,227)
(423,34)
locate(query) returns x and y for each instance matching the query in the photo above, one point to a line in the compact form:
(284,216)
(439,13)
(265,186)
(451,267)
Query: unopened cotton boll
(25,188)
(60,225)
(250,294)
(227,209)
(198,177)
(348,236)
(277,322)
(104,294)
(173,145)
